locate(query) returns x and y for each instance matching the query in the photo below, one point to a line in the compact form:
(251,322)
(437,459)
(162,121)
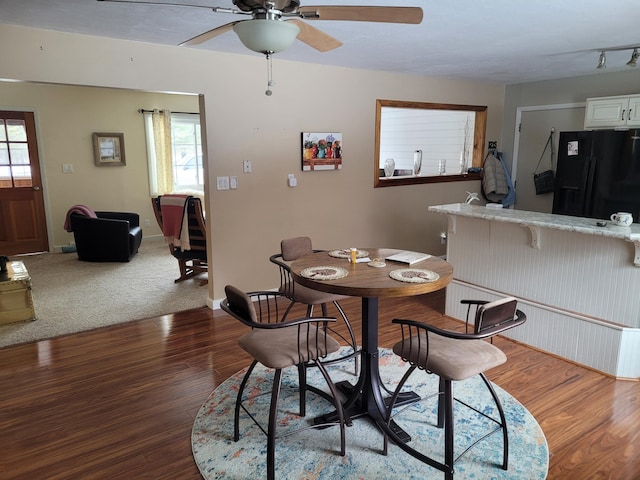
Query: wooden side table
(16,302)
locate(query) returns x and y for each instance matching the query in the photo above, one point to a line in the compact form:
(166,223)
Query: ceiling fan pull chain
(268,93)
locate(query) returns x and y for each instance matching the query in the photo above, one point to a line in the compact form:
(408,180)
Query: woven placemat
(414,275)
(324,273)
(346,253)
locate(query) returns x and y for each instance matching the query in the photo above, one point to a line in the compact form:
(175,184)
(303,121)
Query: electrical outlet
(443,238)
(246,166)
(147,222)
(67,168)
(292,181)
(493,145)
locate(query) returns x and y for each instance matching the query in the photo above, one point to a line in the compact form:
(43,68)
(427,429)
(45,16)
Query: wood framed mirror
(418,142)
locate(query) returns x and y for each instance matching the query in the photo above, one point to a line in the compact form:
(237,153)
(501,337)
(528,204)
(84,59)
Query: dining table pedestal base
(357,410)
(365,398)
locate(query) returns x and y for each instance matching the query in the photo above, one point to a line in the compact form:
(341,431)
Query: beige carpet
(71,296)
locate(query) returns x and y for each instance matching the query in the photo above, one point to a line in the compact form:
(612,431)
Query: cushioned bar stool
(281,344)
(292,249)
(454,357)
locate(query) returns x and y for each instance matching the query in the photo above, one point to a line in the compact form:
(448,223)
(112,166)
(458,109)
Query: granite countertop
(542,220)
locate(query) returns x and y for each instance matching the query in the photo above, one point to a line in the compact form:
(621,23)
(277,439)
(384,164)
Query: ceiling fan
(275,24)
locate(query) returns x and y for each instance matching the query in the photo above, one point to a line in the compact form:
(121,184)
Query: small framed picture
(321,151)
(108,149)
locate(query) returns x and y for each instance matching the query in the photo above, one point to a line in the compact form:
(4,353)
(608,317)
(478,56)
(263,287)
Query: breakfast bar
(580,281)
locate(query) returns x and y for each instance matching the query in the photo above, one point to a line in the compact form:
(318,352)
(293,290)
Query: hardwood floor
(119,402)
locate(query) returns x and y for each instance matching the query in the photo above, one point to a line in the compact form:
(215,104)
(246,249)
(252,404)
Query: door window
(15,167)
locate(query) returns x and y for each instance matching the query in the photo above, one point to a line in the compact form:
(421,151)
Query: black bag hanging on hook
(544,181)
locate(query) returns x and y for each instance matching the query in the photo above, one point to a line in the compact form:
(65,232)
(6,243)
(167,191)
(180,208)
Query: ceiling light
(266,36)
(634,57)
(601,62)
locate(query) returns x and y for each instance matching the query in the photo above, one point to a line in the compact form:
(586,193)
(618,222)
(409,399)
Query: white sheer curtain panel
(159,151)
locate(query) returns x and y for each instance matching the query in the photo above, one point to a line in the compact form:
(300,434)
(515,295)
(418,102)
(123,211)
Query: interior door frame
(516,135)
(43,173)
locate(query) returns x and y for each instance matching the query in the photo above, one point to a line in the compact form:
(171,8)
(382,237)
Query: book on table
(408,257)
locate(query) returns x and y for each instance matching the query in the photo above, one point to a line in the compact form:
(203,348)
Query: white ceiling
(501,41)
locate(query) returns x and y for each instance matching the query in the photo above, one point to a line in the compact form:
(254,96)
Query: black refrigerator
(598,173)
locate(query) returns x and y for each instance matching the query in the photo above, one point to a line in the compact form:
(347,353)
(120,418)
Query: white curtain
(159,151)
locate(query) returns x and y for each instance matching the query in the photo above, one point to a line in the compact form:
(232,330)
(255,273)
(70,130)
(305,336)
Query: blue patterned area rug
(314,454)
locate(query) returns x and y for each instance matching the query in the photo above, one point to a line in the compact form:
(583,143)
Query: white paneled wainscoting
(603,346)
(578,283)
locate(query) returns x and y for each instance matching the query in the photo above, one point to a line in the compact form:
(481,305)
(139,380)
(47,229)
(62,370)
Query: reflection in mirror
(425,142)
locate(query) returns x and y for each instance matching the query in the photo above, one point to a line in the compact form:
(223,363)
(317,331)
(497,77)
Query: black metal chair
(281,344)
(454,357)
(292,249)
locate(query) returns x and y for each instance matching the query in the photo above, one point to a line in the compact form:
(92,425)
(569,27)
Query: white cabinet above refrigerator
(612,112)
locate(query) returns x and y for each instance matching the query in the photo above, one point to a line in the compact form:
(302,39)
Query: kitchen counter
(576,282)
(537,221)
(545,220)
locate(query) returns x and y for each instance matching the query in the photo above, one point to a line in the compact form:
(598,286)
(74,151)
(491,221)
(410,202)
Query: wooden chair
(292,249)
(280,344)
(191,262)
(454,357)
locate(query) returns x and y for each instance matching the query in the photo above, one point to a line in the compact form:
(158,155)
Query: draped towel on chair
(175,220)
(82,210)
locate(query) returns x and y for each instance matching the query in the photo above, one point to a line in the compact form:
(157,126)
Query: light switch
(233,182)
(223,183)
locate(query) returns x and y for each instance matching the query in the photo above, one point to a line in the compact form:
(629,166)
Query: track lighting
(602,60)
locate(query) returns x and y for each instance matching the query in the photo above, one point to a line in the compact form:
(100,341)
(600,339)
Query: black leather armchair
(112,237)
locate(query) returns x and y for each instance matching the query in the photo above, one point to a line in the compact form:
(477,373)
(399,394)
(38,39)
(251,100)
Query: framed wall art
(108,149)
(321,151)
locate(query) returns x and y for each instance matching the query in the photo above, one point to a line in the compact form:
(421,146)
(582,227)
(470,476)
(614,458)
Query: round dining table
(365,399)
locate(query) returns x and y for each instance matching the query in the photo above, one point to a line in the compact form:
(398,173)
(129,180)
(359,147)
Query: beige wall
(337,209)
(66,117)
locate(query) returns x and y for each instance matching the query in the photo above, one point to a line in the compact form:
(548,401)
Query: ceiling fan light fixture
(634,58)
(602,61)
(266,36)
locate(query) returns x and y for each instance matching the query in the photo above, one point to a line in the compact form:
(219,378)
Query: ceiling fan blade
(412,15)
(315,38)
(203,37)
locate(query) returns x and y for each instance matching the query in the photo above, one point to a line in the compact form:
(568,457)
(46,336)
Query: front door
(23,228)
